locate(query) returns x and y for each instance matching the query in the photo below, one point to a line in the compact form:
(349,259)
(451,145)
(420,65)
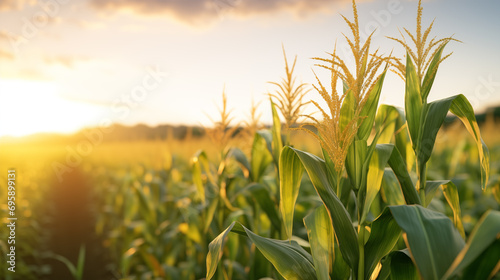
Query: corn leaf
(399,167)
(432,119)
(262,196)
(370,109)
(390,190)
(431,73)
(487,265)
(355,158)
(289,259)
(321,239)
(384,234)
(385,123)
(413,101)
(341,221)
(376,168)
(200,161)
(464,111)
(451,194)
(277,143)
(291,170)
(347,110)
(261,158)
(402,267)
(484,234)
(215,251)
(431,237)
(242,159)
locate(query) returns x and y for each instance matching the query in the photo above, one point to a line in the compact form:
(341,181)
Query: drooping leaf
(341,221)
(432,119)
(486,231)
(215,251)
(464,111)
(289,259)
(431,237)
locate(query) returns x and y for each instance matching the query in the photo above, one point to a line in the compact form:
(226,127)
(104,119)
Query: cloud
(6,5)
(6,55)
(197,12)
(67,61)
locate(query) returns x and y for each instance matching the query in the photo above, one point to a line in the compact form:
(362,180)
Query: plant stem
(421,173)
(361,246)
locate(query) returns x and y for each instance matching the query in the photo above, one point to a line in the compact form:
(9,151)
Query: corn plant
(350,236)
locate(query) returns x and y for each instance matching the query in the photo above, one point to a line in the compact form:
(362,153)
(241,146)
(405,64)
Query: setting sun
(29,107)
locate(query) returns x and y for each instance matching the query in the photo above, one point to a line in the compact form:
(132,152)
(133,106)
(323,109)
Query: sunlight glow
(29,107)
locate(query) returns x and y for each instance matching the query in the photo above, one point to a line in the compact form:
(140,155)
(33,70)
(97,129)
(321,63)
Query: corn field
(370,194)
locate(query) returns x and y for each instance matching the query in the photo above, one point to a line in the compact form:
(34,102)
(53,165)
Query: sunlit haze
(66,65)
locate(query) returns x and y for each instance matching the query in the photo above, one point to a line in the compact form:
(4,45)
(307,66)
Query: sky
(70,64)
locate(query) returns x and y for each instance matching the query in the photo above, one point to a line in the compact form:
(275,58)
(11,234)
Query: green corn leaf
(355,158)
(277,143)
(431,187)
(200,161)
(370,109)
(484,234)
(431,237)
(464,111)
(431,74)
(340,270)
(451,194)
(402,267)
(390,190)
(386,122)
(210,213)
(321,239)
(341,221)
(242,159)
(291,170)
(80,265)
(262,196)
(413,101)
(384,234)
(268,137)
(376,167)
(347,110)
(432,119)
(261,158)
(289,259)
(487,265)
(215,251)
(398,166)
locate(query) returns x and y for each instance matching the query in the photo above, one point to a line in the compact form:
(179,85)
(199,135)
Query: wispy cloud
(6,55)
(196,12)
(6,5)
(67,61)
